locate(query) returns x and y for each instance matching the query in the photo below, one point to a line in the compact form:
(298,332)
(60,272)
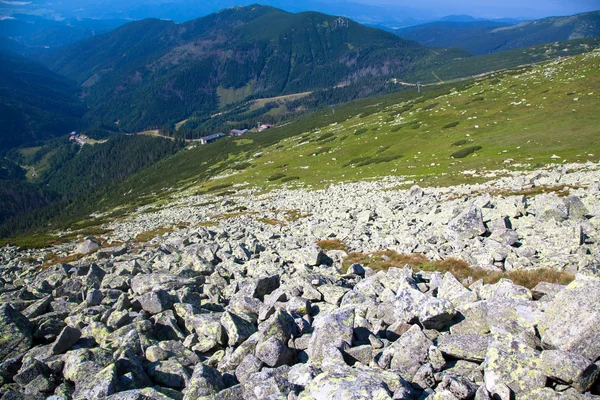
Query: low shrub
(396,128)
(322,150)
(241,166)
(450,125)
(360,131)
(465,152)
(460,142)
(382,149)
(290,178)
(219,187)
(275,177)
(378,160)
(325,136)
(430,106)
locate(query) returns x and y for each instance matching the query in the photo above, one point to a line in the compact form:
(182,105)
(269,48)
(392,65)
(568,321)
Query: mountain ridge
(483,38)
(147,63)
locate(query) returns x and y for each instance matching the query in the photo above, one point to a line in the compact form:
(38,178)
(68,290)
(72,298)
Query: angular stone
(280,325)
(169,373)
(67,338)
(86,246)
(97,386)
(333,330)
(510,361)
(238,329)
(205,381)
(569,368)
(30,371)
(332,294)
(144,283)
(467,225)
(454,291)
(464,347)
(15,333)
(156,301)
(407,354)
(302,374)
(274,353)
(268,382)
(571,322)
(249,365)
(38,308)
(354,384)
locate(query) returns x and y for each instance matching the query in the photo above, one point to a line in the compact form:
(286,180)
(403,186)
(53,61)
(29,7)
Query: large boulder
(570,368)
(15,333)
(572,320)
(407,354)
(512,362)
(144,283)
(333,330)
(466,225)
(237,328)
(205,381)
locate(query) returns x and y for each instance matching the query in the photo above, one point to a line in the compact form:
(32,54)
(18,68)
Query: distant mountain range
(31,34)
(483,37)
(150,72)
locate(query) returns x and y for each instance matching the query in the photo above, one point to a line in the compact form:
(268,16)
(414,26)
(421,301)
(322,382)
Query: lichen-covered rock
(407,354)
(332,330)
(97,386)
(268,382)
(454,291)
(467,225)
(359,382)
(169,373)
(205,381)
(464,347)
(15,333)
(238,329)
(144,283)
(274,353)
(156,301)
(65,340)
(572,320)
(249,365)
(569,368)
(512,362)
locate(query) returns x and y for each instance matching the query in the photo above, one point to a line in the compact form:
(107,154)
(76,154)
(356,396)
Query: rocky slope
(238,306)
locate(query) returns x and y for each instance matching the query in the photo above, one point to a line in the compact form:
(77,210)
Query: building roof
(213,136)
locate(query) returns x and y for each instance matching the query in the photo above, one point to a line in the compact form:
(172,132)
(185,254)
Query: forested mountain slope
(35,103)
(150,72)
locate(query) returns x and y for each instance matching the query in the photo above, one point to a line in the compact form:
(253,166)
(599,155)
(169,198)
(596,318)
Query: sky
(497,8)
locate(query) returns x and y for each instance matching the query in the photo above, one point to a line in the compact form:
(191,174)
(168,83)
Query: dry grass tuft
(146,236)
(332,244)
(384,260)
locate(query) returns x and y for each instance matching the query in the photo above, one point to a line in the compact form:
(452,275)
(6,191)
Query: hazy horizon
(364,11)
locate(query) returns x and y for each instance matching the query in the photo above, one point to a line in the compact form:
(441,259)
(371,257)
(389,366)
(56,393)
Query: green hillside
(458,132)
(484,37)
(152,72)
(525,116)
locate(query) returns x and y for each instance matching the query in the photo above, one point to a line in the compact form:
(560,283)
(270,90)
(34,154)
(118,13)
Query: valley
(259,204)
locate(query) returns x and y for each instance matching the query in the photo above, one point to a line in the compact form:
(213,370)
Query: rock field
(238,302)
